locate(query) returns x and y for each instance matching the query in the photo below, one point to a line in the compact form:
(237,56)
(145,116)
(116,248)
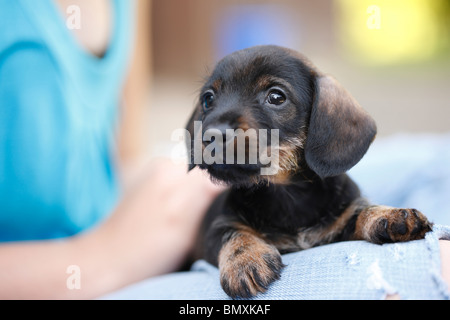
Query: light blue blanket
(403,171)
(408,170)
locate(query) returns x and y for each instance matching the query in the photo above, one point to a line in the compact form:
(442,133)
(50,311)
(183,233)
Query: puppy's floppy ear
(189,138)
(340,131)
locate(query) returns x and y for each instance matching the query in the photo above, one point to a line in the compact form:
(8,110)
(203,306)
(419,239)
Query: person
(60,199)
(68,231)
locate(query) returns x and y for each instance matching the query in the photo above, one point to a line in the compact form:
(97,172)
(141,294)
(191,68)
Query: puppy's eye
(276,97)
(207,100)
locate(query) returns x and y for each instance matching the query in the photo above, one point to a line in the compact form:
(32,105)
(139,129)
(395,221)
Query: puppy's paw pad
(250,271)
(397,225)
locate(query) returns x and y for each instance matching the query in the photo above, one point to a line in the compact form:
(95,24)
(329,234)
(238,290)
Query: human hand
(155,226)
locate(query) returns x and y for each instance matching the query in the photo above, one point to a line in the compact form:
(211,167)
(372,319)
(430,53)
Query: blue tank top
(58,116)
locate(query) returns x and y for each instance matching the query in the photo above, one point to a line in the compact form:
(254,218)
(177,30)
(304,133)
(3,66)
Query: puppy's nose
(222,128)
(213,132)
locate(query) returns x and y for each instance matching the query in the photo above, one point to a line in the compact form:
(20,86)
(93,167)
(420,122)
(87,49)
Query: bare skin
(95,31)
(445,260)
(150,232)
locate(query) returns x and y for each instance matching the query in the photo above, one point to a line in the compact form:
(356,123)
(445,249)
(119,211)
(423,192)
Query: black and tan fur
(310,201)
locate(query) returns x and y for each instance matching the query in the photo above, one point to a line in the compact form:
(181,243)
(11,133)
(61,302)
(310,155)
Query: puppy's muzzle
(212,133)
(237,144)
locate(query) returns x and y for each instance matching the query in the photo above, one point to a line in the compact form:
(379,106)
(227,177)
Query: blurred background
(392,55)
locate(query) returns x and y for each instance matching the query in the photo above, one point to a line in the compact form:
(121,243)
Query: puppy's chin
(237,175)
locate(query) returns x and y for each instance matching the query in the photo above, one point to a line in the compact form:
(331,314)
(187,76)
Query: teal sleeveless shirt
(58,115)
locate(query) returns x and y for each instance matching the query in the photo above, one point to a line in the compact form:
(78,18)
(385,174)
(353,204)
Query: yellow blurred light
(389,31)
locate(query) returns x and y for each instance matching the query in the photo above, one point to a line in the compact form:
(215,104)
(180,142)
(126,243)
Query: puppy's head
(272,102)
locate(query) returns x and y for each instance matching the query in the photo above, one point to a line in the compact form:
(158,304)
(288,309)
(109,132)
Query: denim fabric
(408,171)
(345,270)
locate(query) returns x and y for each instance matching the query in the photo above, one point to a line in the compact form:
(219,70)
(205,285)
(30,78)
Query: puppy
(308,200)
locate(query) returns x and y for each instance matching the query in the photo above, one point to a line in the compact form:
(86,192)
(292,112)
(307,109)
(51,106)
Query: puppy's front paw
(381,224)
(248,265)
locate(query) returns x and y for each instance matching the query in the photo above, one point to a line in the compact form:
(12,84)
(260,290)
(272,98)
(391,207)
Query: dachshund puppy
(306,200)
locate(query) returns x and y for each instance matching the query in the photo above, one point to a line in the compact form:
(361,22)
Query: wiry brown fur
(248,257)
(382,224)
